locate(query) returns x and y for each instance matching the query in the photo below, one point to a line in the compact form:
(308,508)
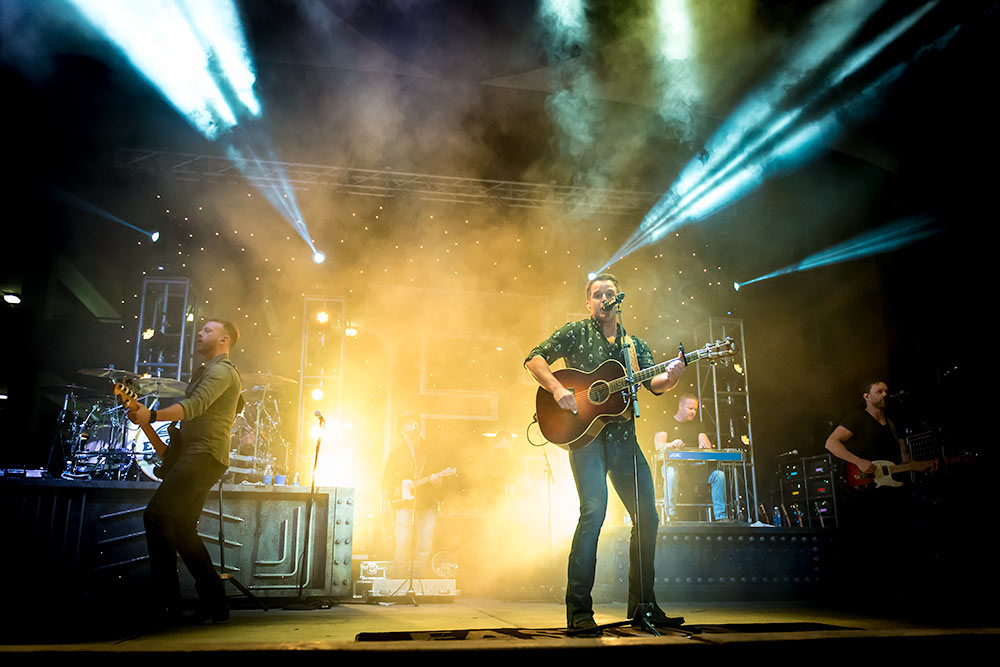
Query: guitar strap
(629,343)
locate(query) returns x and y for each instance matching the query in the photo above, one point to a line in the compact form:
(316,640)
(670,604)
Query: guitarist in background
(867,435)
(171,518)
(880,525)
(585,345)
(415,504)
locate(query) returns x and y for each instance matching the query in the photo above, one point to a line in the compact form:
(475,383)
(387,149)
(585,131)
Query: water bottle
(777,516)
(297,481)
(268,475)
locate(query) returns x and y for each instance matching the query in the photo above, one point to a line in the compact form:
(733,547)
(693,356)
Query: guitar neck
(906,467)
(653,371)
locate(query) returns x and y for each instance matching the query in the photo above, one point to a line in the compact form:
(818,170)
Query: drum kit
(255,440)
(97,441)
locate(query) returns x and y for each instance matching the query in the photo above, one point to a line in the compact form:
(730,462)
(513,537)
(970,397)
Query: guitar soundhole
(599,392)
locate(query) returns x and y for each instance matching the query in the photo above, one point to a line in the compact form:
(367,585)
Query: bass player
(171,518)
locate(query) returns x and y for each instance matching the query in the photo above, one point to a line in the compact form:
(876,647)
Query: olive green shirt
(209,409)
(583,345)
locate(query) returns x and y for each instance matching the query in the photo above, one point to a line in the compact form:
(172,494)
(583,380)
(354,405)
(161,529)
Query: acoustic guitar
(602,396)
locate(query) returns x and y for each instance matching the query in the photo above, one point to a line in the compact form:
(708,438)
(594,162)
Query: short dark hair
(685,396)
(867,387)
(603,276)
(231,330)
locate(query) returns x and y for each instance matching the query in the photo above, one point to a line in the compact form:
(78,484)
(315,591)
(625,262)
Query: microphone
(614,302)
(319,415)
(788,453)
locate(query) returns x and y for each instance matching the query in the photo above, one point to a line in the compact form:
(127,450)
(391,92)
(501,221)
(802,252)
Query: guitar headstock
(126,393)
(720,350)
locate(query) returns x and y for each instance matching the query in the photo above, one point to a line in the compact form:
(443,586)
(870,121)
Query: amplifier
(818,465)
(820,487)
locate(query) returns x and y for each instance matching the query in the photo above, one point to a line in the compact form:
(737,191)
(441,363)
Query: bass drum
(144,452)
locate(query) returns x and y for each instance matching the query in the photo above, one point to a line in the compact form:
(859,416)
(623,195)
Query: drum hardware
(96,438)
(256,432)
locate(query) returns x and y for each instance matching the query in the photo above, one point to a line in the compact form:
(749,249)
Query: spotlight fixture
(736,286)
(317,394)
(154,237)
(322,317)
(147,334)
(350,332)
(319,256)
(12,299)
(591,275)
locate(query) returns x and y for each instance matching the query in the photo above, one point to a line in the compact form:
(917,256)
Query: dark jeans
(591,466)
(171,521)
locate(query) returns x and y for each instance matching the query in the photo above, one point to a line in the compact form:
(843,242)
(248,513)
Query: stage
(727,630)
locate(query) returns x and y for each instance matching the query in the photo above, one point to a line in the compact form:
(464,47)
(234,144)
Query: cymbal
(260,379)
(254,394)
(162,387)
(112,373)
(71,389)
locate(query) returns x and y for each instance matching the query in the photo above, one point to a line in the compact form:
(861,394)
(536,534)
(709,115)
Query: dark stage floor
(742,627)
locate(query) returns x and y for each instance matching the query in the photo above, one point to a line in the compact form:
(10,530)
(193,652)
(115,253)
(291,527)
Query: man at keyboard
(684,430)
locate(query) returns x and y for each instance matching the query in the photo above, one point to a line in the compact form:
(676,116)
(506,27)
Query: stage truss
(384,183)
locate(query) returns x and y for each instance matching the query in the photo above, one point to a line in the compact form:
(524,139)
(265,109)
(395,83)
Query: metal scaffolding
(321,370)
(165,339)
(724,401)
(382,182)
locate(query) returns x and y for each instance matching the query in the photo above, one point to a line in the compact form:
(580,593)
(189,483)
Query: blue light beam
(84,205)
(757,140)
(192,51)
(195,53)
(875,242)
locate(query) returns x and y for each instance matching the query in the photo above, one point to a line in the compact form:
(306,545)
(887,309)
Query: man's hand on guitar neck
(667,380)
(138,414)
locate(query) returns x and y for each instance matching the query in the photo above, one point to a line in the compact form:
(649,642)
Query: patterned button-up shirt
(583,345)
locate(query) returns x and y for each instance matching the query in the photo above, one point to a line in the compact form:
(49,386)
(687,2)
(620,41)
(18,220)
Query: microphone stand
(644,609)
(299,605)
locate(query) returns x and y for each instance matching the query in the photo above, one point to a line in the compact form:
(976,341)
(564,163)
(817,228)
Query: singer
(585,345)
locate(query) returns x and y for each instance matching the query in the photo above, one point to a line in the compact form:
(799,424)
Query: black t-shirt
(686,431)
(869,439)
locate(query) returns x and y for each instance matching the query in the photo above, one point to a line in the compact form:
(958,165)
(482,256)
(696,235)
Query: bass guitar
(168,453)
(882,475)
(602,396)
